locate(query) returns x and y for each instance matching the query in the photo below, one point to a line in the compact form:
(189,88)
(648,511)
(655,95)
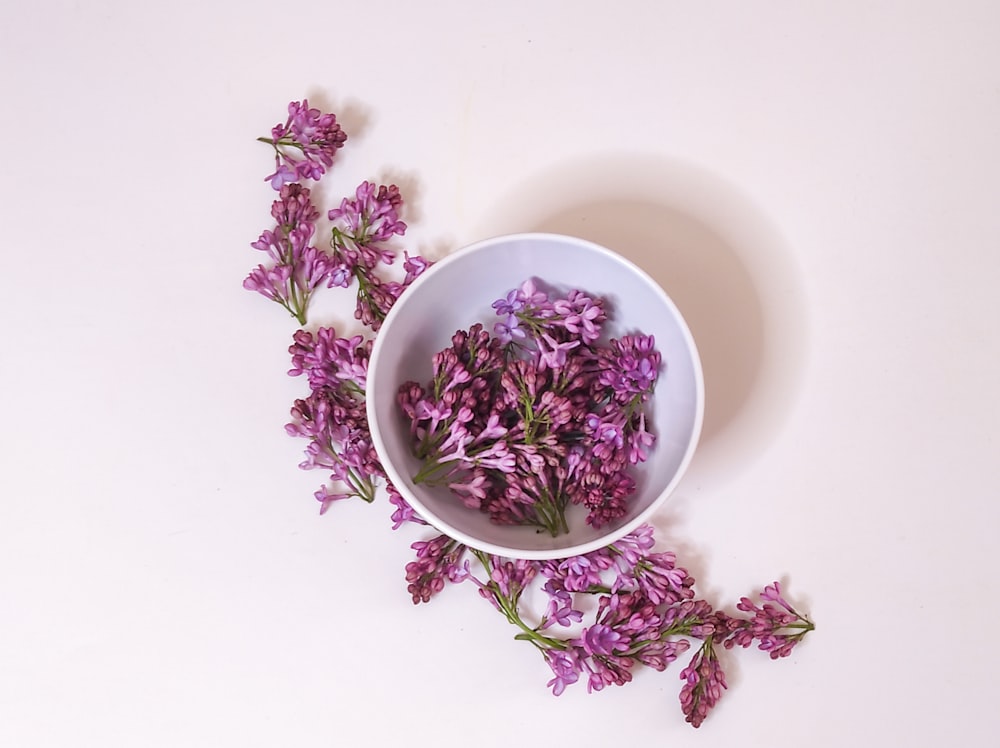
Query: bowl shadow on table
(722,262)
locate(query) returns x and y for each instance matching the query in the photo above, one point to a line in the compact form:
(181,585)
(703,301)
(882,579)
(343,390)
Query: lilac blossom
(775,629)
(438,562)
(638,622)
(403,512)
(704,683)
(333,416)
(361,227)
(297,268)
(304,146)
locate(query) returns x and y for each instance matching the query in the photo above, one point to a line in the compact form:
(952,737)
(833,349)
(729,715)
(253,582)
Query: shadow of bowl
(721,261)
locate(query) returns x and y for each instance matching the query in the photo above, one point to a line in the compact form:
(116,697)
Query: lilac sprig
(333,416)
(646,614)
(362,226)
(776,630)
(304,146)
(296,268)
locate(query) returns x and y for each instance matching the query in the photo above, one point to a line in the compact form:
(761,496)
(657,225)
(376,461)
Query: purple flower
(371,217)
(704,683)
(404,512)
(600,639)
(298,268)
(305,145)
(414,265)
(281,176)
(326,498)
(561,611)
(509,329)
(438,561)
(509,305)
(565,665)
(553,357)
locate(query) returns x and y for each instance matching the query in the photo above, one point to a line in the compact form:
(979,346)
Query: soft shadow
(353,114)
(718,257)
(409,186)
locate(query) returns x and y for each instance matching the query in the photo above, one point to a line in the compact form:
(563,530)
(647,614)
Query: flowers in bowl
(538,417)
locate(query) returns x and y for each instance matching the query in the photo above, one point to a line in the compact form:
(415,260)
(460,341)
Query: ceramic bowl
(459,291)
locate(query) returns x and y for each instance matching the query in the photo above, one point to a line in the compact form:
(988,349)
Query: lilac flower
(305,145)
(328,361)
(631,367)
(510,305)
(509,329)
(438,561)
(433,412)
(553,357)
(404,512)
(566,668)
(530,296)
(583,316)
(628,629)
(704,682)
(472,493)
(340,276)
(371,217)
(640,440)
(282,175)
(414,265)
(298,268)
(560,611)
(775,630)
(326,498)
(600,639)
(333,417)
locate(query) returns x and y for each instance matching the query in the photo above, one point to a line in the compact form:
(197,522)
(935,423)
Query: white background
(814,183)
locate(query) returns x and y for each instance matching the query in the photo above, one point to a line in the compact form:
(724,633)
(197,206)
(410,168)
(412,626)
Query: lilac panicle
(775,630)
(296,268)
(362,226)
(646,615)
(704,682)
(305,145)
(438,562)
(372,216)
(333,416)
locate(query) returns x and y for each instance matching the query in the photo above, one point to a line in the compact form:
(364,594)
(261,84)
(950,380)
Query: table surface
(815,184)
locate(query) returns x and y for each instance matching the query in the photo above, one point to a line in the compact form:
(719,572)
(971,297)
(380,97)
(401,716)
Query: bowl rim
(577,549)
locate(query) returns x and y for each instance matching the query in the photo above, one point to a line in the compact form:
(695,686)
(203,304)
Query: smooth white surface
(815,184)
(458,292)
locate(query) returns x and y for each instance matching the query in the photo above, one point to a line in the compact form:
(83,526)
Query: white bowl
(459,291)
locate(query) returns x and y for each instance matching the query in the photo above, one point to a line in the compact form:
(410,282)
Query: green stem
(508,606)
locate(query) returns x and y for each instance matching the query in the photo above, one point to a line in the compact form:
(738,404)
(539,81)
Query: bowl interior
(459,291)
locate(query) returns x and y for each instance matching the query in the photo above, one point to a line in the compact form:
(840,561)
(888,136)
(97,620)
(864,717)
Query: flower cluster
(519,424)
(296,268)
(538,417)
(304,149)
(362,226)
(333,416)
(304,146)
(646,614)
